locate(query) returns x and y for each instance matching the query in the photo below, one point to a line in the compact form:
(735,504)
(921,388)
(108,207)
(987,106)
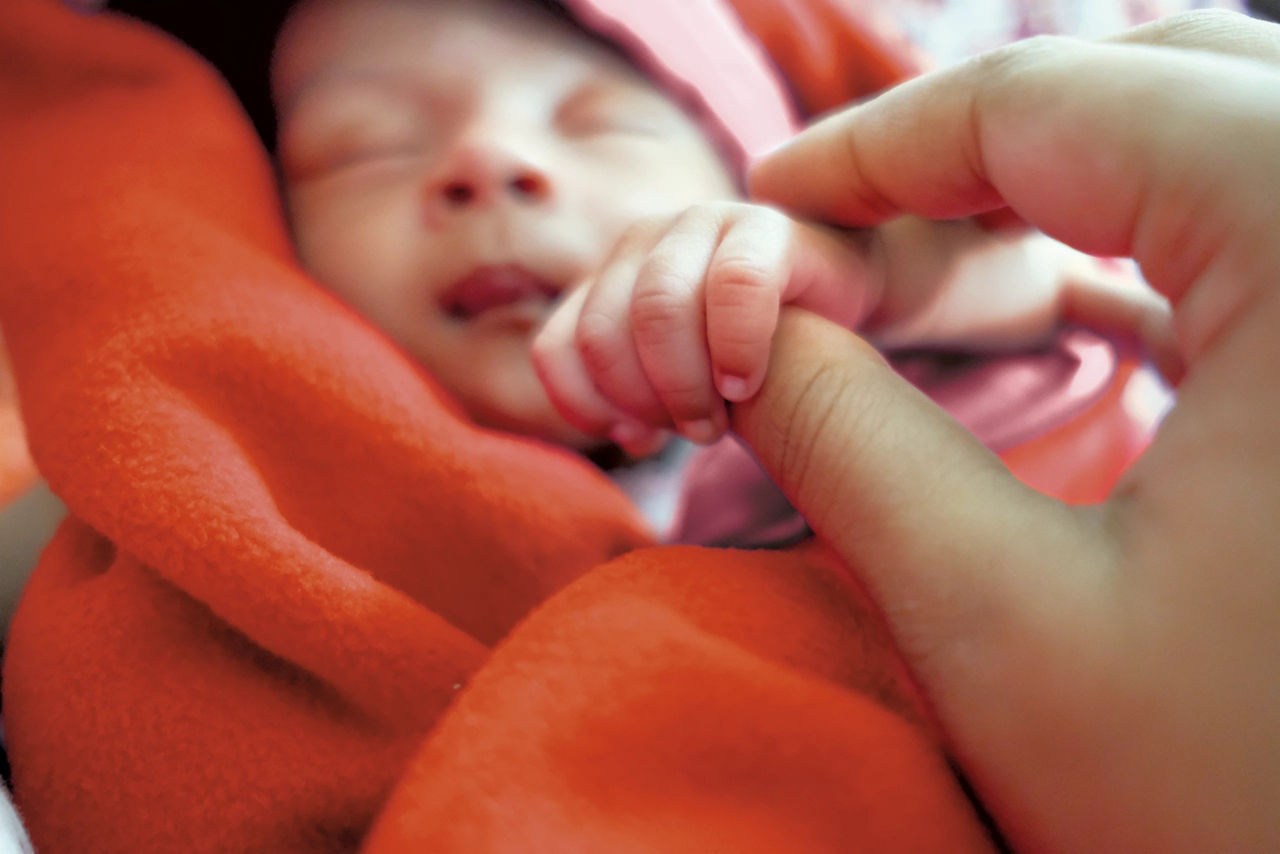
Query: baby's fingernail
(733,388)
(648,446)
(628,433)
(699,432)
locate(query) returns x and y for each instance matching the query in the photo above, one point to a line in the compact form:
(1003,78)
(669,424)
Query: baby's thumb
(982,580)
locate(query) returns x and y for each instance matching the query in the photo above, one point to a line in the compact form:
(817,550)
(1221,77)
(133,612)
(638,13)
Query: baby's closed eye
(598,109)
(323,138)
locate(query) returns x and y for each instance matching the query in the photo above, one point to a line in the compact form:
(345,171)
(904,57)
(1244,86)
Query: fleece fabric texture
(17,471)
(301,605)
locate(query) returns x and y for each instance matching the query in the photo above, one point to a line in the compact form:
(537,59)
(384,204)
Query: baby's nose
(476,177)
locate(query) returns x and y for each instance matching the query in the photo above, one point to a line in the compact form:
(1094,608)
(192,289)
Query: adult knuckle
(1001,81)
(868,194)
(1195,20)
(1012,62)
(1219,29)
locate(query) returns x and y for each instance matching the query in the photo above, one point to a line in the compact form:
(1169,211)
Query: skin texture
(1108,676)
(574,167)
(635,348)
(681,316)
(388,107)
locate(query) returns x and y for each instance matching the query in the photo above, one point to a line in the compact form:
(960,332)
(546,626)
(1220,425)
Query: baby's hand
(681,317)
(956,285)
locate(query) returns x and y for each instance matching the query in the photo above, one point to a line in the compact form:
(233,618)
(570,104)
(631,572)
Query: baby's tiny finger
(565,378)
(640,443)
(668,322)
(603,335)
(744,286)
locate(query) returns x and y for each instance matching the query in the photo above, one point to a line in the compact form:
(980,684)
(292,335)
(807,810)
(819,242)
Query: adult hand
(1108,676)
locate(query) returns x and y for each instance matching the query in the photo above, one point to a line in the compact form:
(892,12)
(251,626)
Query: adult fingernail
(699,432)
(733,388)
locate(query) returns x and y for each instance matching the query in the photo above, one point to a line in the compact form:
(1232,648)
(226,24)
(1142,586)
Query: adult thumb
(984,582)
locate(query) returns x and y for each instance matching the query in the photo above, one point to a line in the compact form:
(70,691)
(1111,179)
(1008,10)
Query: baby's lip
(494,286)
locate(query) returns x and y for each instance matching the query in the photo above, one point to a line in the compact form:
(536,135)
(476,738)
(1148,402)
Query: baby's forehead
(442,41)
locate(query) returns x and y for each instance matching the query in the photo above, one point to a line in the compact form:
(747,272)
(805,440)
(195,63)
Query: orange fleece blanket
(300,605)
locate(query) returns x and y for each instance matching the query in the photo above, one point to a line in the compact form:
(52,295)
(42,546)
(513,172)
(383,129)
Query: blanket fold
(685,699)
(301,605)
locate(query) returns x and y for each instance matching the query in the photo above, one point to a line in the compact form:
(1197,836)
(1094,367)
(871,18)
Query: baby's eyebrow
(605,87)
(389,80)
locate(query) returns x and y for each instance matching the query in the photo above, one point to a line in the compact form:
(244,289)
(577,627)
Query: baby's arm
(681,316)
(956,284)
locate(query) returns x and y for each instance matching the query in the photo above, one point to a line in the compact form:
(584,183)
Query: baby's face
(452,166)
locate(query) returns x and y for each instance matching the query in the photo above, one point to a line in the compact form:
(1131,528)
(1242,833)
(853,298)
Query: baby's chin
(498,387)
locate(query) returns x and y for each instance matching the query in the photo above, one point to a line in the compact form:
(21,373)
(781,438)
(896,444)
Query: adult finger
(1026,126)
(1213,30)
(1036,627)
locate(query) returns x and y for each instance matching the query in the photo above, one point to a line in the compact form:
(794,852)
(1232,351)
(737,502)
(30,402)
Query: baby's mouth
(488,288)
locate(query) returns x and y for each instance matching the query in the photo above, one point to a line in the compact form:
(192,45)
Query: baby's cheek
(492,376)
(368,259)
(658,182)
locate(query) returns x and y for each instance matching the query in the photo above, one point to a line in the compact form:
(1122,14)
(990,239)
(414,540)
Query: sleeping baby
(556,232)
